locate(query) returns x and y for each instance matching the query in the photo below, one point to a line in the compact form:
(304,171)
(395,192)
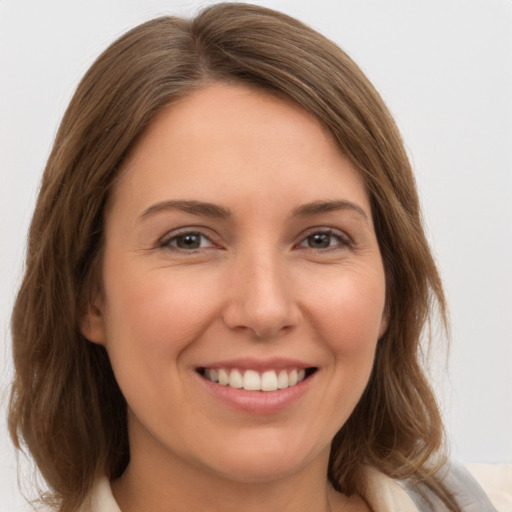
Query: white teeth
(282,379)
(269,381)
(235,379)
(223,377)
(251,380)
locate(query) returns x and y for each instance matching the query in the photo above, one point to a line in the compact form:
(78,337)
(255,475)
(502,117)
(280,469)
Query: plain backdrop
(444,67)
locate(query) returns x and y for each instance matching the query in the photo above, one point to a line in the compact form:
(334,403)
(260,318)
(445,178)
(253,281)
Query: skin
(257,284)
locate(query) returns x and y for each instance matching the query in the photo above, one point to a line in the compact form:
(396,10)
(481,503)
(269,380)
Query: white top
(384,494)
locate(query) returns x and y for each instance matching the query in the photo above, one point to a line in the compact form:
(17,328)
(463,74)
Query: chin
(264,460)
(260,471)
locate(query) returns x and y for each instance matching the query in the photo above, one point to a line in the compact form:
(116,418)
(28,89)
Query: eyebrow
(318,207)
(194,207)
(212,210)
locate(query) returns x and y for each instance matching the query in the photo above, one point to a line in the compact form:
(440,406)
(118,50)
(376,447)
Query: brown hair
(65,404)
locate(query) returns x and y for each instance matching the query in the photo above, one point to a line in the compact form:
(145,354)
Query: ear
(92,323)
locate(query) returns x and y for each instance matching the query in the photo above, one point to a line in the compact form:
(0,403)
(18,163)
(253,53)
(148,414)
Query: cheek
(346,316)
(349,311)
(152,321)
(154,310)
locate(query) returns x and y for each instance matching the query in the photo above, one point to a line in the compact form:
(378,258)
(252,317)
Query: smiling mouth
(252,380)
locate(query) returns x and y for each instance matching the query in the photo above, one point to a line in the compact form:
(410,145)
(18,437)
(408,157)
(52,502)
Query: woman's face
(239,248)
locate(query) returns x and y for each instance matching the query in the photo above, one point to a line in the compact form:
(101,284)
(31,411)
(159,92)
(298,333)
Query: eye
(188,241)
(326,239)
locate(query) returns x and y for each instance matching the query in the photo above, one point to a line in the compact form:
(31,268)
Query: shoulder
(477,488)
(462,485)
(496,481)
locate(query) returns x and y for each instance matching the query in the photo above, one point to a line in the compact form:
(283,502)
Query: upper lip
(260,365)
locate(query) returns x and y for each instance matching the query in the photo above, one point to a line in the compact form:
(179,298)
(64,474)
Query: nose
(260,297)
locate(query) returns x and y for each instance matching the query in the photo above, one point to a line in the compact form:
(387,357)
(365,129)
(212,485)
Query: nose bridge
(261,298)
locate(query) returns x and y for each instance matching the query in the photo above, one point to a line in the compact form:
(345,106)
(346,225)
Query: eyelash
(342,240)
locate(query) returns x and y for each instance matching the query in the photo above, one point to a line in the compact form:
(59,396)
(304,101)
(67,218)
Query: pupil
(319,240)
(190,241)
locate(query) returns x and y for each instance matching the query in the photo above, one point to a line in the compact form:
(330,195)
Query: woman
(226,283)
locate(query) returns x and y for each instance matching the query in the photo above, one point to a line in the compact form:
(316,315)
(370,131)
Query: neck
(173,485)
(192,491)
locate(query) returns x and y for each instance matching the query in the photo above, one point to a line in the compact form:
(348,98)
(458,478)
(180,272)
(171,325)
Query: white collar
(383,494)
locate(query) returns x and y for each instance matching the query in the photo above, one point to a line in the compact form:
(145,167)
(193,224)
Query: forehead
(231,142)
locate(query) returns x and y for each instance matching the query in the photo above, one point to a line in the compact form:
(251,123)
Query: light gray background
(445,69)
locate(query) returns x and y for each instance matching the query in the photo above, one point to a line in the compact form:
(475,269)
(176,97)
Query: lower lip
(258,402)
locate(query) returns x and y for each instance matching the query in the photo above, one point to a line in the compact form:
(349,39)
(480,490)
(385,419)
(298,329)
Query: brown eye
(325,240)
(319,240)
(188,241)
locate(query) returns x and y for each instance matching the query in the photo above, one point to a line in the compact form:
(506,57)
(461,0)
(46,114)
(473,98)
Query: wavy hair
(66,407)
